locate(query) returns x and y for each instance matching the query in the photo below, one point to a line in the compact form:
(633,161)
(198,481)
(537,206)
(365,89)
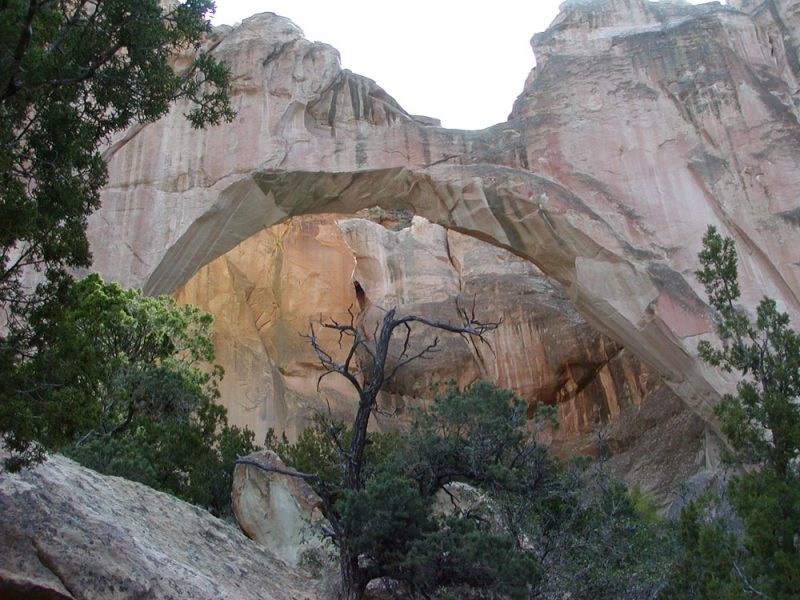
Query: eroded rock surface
(279,512)
(642,123)
(69,532)
(269,289)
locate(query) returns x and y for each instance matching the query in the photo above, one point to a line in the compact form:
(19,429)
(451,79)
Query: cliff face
(267,291)
(582,216)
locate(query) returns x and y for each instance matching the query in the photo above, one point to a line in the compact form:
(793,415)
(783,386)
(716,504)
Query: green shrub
(124,384)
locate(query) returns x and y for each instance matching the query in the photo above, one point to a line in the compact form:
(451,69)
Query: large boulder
(279,511)
(69,532)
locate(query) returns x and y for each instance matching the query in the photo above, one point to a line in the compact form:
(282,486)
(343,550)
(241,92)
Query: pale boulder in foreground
(279,512)
(69,532)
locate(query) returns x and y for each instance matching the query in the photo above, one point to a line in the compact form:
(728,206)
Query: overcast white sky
(461,61)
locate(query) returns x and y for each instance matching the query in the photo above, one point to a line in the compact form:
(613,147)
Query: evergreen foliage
(105,375)
(709,547)
(123,383)
(762,424)
(72,74)
(532,526)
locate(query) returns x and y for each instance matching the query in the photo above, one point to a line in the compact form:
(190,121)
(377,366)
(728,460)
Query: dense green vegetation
(73,73)
(123,383)
(105,375)
(747,544)
(525,525)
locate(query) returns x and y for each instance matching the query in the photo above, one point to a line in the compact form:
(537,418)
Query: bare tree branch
(374,375)
(423,354)
(12,84)
(368,379)
(470,326)
(274,469)
(327,361)
(745,582)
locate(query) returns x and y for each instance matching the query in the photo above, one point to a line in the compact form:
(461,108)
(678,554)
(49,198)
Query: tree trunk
(367,398)
(358,443)
(352,577)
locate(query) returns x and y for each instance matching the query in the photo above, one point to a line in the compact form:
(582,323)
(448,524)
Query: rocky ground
(68,532)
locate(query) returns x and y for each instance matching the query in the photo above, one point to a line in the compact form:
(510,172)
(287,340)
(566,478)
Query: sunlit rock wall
(269,290)
(642,123)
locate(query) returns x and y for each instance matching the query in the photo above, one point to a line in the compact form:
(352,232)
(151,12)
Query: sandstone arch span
(532,216)
(642,123)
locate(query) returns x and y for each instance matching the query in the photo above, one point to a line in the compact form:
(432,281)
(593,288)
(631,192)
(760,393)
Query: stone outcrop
(68,532)
(279,512)
(642,123)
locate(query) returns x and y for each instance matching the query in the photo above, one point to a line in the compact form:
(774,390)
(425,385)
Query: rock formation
(642,123)
(279,512)
(68,532)
(265,292)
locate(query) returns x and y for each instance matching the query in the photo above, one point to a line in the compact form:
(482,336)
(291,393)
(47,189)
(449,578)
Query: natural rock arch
(532,216)
(642,123)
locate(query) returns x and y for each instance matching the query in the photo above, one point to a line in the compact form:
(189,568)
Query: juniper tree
(534,527)
(761,422)
(125,384)
(72,74)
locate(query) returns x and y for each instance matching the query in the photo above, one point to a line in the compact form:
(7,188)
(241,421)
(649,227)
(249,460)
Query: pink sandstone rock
(642,123)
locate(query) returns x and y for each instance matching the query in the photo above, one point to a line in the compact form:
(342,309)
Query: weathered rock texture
(642,123)
(68,532)
(267,289)
(280,512)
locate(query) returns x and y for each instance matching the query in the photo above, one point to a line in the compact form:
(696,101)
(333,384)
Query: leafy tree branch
(754,552)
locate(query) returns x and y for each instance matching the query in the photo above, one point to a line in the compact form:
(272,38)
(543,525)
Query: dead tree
(365,367)
(370,379)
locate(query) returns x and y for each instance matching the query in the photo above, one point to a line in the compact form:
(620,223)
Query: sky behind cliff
(460,61)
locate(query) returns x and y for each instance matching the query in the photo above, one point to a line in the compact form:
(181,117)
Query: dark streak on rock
(791,216)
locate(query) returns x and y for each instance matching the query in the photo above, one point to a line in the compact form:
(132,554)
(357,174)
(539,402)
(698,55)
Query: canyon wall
(579,219)
(269,289)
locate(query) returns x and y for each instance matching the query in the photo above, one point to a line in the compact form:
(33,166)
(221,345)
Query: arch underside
(619,289)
